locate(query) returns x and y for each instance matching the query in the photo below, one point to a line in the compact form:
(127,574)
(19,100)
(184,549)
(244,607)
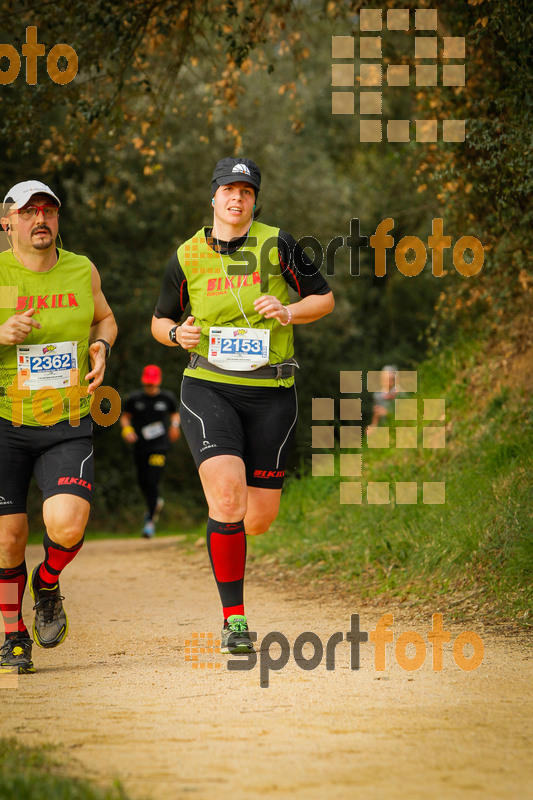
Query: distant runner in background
(150,422)
(383,406)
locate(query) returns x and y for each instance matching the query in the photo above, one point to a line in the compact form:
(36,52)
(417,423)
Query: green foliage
(480,540)
(486,184)
(130,56)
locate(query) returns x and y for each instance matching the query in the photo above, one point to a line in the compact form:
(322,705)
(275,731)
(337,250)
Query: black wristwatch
(106,345)
(172,334)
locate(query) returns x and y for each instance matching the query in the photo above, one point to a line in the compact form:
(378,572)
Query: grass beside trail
(478,544)
(33,774)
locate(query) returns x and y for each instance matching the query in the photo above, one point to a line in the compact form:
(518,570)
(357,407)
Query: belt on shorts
(285,369)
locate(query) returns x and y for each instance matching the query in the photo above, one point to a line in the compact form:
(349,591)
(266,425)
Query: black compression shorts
(256,424)
(60,456)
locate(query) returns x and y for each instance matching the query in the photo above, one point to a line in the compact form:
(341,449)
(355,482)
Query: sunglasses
(30,212)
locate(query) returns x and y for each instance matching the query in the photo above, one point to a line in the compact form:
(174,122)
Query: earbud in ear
(212,201)
(7,228)
(253,209)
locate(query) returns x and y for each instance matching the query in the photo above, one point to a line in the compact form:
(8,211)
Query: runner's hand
(269,306)
(16,328)
(96,375)
(173,434)
(188,335)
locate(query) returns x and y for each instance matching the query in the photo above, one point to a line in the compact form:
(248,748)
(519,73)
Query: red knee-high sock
(12,585)
(226,544)
(56,558)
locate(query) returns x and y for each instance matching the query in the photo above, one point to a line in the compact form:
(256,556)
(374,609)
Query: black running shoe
(50,626)
(15,656)
(235,636)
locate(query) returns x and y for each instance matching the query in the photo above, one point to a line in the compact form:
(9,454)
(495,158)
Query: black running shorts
(60,456)
(256,424)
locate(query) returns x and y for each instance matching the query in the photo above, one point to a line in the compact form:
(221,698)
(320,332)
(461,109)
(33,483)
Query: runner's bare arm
(103,327)
(128,434)
(308,309)
(187,334)
(174,430)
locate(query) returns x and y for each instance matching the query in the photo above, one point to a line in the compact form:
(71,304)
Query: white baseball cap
(20,193)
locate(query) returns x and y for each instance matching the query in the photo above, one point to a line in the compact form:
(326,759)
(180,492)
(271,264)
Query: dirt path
(122,701)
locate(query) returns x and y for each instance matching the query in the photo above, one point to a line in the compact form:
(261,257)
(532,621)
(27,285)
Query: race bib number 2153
(241,349)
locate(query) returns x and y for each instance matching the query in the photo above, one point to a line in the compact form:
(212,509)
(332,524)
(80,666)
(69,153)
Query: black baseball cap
(229,170)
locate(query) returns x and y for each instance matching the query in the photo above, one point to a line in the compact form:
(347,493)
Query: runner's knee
(229,498)
(66,531)
(257,527)
(67,535)
(12,545)
(255,524)
(230,508)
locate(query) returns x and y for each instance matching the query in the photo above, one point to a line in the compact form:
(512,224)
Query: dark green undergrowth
(33,774)
(480,539)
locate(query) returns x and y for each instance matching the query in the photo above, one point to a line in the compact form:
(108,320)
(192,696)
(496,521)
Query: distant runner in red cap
(150,421)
